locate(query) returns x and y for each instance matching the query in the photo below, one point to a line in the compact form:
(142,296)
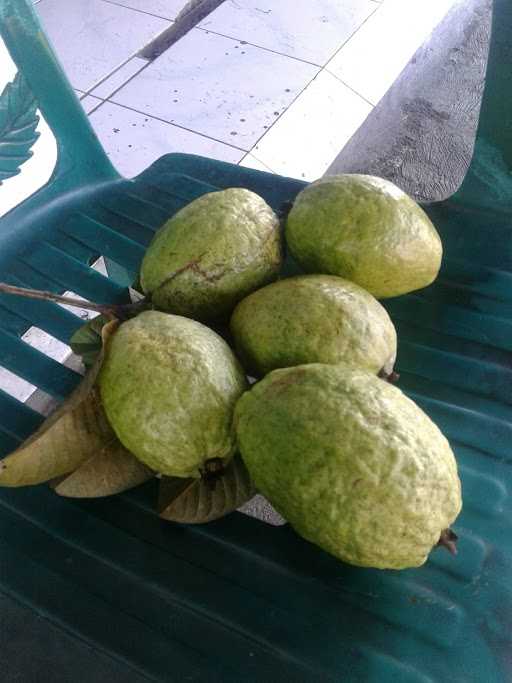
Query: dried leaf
(77,429)
(195,501)
(112,470)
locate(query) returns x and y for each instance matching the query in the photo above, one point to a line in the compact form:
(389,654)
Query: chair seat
(239,599)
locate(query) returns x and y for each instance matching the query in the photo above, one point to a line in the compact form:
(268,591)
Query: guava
(169,385)
(367,230)
(313,319)
(354,465)
(211,254)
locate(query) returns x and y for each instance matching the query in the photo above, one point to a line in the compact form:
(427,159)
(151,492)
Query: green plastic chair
(239,600)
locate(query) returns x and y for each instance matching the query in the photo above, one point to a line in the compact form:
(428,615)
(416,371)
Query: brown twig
(110,311)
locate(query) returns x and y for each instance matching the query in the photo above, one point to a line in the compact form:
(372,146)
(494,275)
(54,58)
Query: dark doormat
(421,134)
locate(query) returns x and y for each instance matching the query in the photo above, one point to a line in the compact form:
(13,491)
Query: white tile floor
(218,87)
(376,54)
(313,130)
(135,140)
(91,37)
(276,86)
(312,31)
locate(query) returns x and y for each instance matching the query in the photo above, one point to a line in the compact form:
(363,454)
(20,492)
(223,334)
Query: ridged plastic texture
(239,600)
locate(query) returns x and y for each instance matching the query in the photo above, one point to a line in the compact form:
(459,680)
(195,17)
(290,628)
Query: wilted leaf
(112,470)
(77,429)
(195,501)
(86,342)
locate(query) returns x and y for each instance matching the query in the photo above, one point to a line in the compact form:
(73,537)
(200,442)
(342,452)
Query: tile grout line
(250,154)
(170,123)
(96,106)
(379,4)
(324,66)
(321,69)
(113,71)
(259,47)
(100,81)
(248,42)
(331,73)
(116,90)
(217,33)
(243,42)
(284,112)
(136,9)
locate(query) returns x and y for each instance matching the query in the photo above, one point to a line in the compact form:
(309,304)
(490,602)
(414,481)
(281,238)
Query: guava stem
(390,377)
(284,210)
(110,311)
(448,540)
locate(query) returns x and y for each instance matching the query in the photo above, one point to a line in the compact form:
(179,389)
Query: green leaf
(18,123)
(195,501)
(86,342)
(112,470)
(70,435)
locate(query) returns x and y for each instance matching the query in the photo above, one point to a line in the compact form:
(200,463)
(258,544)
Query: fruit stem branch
(110,311)
(448,540)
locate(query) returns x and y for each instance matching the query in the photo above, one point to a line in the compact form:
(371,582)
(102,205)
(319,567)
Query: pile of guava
(228,378)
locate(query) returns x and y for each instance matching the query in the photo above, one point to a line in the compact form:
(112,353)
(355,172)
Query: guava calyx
(389,376)
(212,471)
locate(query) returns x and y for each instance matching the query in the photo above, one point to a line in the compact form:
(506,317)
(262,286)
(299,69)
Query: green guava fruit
(169,385)
(367,230)
(313,319)
(211,254)
(354,465)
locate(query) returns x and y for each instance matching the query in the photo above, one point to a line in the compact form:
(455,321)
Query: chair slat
(72,275)
(455,320)
(47,316)
(8,443)
(36,368)
(105,241)
(17,418)
(137,211)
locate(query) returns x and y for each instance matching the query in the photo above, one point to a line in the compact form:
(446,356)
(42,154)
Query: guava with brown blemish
(211,254)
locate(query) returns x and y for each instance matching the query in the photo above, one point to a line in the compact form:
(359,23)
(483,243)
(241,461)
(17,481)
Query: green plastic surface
(238,600)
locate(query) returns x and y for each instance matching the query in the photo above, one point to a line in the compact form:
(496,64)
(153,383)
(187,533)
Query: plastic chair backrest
(488,182)
(81,158)
(81,162)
